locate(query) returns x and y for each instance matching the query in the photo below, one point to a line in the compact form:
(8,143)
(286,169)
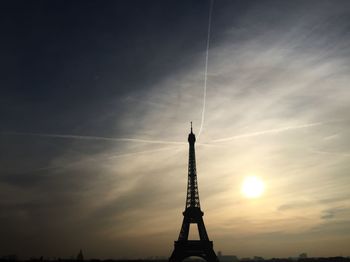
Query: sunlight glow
(252,187)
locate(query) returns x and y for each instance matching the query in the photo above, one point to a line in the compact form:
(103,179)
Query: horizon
(222,257)
(96,103)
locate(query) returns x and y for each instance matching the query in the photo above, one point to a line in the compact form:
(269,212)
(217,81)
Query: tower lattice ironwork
(193,214)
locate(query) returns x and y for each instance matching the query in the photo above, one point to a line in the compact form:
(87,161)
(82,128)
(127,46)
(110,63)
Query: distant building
(229,258)
(11,257)
(80,256)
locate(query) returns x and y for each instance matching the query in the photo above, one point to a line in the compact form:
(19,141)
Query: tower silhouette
(193,214)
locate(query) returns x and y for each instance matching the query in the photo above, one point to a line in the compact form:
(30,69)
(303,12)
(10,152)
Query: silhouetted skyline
(96,99)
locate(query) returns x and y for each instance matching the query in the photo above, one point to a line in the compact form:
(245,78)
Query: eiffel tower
(193,214)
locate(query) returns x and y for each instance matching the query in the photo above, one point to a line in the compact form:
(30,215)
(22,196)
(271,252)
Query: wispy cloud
(268,131)
(111,139)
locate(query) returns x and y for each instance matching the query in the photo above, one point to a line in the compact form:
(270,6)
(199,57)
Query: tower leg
(198,248)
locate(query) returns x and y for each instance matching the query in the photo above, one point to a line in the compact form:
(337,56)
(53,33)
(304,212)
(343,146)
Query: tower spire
(192,199)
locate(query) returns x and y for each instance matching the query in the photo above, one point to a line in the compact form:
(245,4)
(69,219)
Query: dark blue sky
(78,57)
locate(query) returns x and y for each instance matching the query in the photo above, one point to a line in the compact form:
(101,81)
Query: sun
(252,187)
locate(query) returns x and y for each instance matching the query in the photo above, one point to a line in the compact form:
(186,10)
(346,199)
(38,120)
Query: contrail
(101,138)
(329,153)
(206,68)
(112,157)
(140,152)
(87,159)
(268,131)
(136,140)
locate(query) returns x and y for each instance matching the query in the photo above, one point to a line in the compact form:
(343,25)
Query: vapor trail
(136,140)
(141,152)
(100,159)
(206,68)
(268,131)
(330,153)
(107,158)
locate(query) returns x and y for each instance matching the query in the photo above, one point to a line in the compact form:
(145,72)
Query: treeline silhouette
(318,259)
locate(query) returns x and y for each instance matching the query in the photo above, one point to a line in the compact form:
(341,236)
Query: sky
(96,101)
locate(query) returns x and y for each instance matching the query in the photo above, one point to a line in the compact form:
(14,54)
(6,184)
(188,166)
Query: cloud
(264,132)
(137,140)
(331,213)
